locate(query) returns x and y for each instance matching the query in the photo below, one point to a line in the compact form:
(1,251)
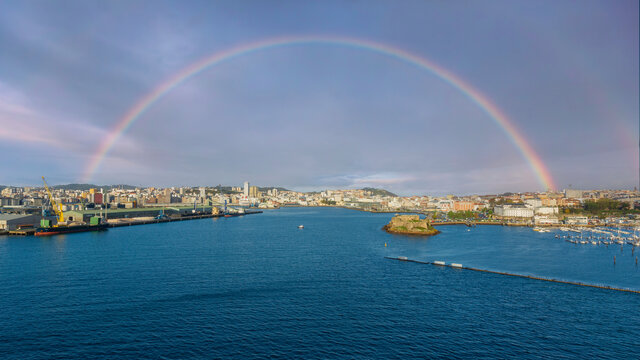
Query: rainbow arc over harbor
(492,110)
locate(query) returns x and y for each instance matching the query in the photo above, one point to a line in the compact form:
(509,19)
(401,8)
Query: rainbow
(533,159)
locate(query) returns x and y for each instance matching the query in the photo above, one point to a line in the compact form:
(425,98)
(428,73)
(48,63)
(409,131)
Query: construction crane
(57,208)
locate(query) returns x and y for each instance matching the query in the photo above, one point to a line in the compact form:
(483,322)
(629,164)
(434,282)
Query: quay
(459,266)
(145,221)
(22,232)
(119,222)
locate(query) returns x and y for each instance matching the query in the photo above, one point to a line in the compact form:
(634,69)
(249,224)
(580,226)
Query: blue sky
(321,116)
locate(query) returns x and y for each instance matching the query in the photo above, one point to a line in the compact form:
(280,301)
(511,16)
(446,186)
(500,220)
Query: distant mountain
(381,192)
(267,188)
(85,187)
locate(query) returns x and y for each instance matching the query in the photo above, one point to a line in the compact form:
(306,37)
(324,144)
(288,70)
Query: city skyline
(82,96)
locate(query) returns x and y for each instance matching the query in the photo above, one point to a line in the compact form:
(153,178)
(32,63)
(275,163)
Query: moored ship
(46,228)
(66,229)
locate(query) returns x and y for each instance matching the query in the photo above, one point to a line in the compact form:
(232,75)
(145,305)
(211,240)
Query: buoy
(614,259)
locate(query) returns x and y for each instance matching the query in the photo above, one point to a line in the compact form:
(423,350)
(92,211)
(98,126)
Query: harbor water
(259,286)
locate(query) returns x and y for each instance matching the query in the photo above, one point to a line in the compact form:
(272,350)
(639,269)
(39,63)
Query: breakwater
(458,266)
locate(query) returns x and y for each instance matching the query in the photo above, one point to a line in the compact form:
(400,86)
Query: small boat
(300,226)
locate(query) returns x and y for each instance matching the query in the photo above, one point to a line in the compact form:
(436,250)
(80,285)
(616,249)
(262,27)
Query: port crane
(57,208)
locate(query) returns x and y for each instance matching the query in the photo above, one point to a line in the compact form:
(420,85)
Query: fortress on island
(410,225)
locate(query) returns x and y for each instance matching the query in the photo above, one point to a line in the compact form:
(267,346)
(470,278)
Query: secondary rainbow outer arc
(535,162)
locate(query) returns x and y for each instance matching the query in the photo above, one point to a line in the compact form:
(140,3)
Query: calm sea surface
(257,286)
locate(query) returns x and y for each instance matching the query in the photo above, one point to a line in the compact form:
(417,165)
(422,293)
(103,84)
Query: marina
(600,236)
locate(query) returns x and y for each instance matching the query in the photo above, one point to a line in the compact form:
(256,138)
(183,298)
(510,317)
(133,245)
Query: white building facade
(516,211)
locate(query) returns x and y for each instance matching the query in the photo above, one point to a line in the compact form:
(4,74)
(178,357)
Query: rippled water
(257,286)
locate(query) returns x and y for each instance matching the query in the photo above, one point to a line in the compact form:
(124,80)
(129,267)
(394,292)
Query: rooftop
(13,216)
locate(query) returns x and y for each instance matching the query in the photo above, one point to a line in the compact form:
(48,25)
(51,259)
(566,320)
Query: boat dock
(459,266)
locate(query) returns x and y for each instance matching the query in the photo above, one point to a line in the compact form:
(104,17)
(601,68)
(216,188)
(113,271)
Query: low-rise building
(546,210)
(515,211)
(463,206)
(11,222)
(546,220)
(577,220)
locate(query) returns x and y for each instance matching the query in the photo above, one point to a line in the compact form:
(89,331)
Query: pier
(22,232)
(134,221)
(112,223)
(459,266)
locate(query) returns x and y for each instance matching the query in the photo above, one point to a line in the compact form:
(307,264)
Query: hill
(85,187)
(380,192)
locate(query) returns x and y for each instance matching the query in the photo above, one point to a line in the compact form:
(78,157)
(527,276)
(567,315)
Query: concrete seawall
(457,266)
(134,222)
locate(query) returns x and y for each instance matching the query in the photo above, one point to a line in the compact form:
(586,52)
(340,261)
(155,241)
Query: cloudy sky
(313,116)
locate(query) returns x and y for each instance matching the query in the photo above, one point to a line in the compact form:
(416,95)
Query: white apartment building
(546,210)
(518,211)
(535,203)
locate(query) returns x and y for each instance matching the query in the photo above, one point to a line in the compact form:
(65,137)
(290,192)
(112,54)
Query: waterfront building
(11,222)
(517,211)
(546,220)
(246,189)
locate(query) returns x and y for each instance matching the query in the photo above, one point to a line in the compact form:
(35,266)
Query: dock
(134,221)
(23,232)
(459,266)
(112,223)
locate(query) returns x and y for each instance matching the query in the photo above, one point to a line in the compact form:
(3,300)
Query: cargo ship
(66,229)
(96,223)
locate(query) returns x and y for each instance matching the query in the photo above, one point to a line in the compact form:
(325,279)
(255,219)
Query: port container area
(87,215)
